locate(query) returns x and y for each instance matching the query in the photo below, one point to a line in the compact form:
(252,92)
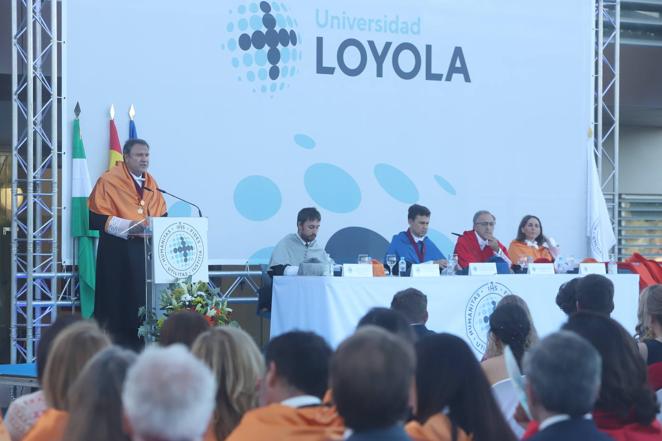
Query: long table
(460,305)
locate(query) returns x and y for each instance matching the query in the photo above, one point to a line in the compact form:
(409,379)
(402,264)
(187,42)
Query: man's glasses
(486,224)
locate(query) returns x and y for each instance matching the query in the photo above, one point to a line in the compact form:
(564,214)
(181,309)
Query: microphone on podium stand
(176,197)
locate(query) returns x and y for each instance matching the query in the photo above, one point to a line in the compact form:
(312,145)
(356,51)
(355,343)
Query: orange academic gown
(49,427)
(277,422)
(518,249)
(436,428)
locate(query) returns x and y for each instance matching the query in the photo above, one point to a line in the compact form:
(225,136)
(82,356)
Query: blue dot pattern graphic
(261,256)
(397,184)
(180,251)
(332,188)
(442,241)
(304,141)
(267,36)
(257,198)
(443,183)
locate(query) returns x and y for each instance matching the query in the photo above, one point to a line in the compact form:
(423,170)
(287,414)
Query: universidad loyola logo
(264,44)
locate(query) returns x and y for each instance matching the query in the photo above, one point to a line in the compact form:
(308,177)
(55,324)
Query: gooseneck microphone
(176,197)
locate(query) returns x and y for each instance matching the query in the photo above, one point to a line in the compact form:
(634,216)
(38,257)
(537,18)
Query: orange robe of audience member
(518,249)
(437,428)
(4,434)
(49,427)
(278,422)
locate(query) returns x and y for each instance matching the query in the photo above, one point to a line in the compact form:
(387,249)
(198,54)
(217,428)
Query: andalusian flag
(80,222)
(133,133)
(115,153)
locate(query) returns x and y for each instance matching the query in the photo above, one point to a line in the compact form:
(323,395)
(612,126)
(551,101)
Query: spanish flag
(115,153)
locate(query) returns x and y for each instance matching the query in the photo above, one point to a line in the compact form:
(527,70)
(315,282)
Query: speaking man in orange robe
(291,394)
(120,203)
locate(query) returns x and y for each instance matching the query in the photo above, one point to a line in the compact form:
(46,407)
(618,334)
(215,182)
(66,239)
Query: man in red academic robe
(479,244)
(120,203)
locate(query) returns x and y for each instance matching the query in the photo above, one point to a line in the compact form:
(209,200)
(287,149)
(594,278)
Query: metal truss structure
(606,103)
(39,283)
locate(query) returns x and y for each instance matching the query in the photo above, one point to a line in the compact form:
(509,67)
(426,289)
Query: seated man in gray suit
(563,380)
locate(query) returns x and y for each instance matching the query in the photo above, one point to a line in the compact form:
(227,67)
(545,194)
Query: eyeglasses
(486,224)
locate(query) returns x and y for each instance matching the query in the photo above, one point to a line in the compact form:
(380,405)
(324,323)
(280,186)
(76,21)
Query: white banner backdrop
(361,108)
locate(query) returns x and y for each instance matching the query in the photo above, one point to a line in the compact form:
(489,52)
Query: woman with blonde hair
(237,364)
(71,350)
(649,329)
(95,399)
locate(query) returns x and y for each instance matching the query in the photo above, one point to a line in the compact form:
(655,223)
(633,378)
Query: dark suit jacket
(576,429)
(393,433)
(421,331)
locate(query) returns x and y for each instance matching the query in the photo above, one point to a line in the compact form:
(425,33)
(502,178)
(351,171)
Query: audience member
(563,380)
(454,400)
(71,350)
(595,293)
(509,326)
(626,406)
(95,399)
(168,395)
(372,375)
(237,364)
(182,327)
(413,304)
(291,392)
(650,328)
(566,298)
(4,434)
(24,411)
(393,321)
(494,350)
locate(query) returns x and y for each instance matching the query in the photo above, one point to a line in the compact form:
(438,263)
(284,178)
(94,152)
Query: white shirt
(482,243)
(301,401)
(139,179)
(553,420)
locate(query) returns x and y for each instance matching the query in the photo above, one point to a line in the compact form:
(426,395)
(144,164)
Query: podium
(175,249)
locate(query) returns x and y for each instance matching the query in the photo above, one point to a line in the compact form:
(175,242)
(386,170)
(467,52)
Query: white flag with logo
(600,231)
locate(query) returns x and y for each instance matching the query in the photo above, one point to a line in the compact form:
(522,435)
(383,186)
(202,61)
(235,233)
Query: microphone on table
(176,197)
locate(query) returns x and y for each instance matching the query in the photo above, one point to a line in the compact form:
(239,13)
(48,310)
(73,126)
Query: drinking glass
(391,260)
(364,258)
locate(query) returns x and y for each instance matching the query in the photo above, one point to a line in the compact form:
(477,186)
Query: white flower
(211,313)
(199,294)
(186,298)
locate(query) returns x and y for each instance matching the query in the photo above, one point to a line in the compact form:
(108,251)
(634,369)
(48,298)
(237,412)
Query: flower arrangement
(185,296)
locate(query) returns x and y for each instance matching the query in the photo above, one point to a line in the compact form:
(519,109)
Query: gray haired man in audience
(413,304)
(168,395)
(563,380)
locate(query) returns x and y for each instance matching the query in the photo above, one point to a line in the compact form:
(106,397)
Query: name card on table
(541,268)
(482,269)
(357,270)
(592,268)
(424,270)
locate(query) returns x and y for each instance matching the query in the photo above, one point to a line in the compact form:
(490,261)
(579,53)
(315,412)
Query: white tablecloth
(460,305)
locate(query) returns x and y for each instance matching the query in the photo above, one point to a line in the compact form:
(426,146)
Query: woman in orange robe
(531,242)
(454,399)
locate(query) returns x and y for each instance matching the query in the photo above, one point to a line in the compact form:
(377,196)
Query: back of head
(517,300)
(449,379)
(48,336)
(411,303)
(371,375)
(301,360)
(624,389)
(237,364)
(95,399)
(510,325)
(564,372)
(71,350)
(595,293)
(182,327)
(417,210)
(390,320)
(653,307)
(566,298)
(308,214)
(168,394)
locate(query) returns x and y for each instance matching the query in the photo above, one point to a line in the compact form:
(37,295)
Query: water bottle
(560,265)
(402,267)
(612,266)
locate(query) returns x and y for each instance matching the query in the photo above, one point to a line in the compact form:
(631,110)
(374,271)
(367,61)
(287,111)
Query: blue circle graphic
(261,256)
(442,241)
(304,141)
(257,198)
(396,183)
(332,188)
(443,183)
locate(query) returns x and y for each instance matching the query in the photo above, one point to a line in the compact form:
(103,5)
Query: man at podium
(120,203)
